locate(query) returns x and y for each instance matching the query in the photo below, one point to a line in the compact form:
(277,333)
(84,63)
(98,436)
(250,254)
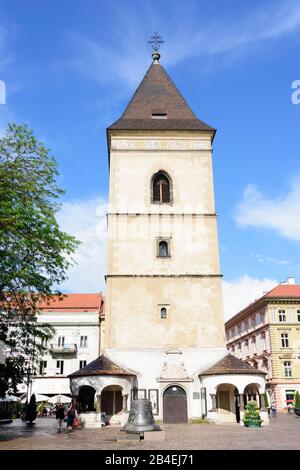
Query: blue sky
(70,68)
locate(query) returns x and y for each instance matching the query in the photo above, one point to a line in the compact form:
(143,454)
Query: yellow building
(267,335)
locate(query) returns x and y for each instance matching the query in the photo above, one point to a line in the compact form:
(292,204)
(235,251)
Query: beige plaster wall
(133,244)
(195,313)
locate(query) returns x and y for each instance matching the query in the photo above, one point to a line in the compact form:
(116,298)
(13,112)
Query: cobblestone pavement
(282,433)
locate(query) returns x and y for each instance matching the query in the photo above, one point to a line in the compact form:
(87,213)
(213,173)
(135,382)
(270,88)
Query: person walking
(60,416)
(71,415)
(273,409)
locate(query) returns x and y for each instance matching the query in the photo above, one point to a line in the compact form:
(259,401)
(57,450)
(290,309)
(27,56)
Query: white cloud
(122,52)
(86,220)
(239,293)
(269,259)
(280,214)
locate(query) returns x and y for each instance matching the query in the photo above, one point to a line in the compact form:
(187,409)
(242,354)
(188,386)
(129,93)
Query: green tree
(31,412)
(251,416)
(34,253)
(297,400)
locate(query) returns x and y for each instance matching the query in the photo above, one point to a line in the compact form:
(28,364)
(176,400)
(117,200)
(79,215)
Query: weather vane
(155,42)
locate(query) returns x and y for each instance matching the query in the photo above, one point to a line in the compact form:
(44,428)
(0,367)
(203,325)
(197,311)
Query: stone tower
(163,274)
(163,336)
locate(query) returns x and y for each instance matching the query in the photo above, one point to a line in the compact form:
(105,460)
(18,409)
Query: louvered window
(161,188)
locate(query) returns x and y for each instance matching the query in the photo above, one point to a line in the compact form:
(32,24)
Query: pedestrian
(71,415)
(273,409)
(60,416)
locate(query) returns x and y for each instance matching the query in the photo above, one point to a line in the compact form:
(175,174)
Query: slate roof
(232,365)
(101,366)
(158,94)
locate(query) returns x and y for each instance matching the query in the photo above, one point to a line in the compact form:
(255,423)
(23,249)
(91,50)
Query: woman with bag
(60,415)
(71,417)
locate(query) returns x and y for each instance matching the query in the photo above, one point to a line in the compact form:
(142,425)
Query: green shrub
(252,416)
(297,399)
(266,399)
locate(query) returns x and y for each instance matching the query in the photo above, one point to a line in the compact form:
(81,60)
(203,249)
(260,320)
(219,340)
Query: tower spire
(155,42)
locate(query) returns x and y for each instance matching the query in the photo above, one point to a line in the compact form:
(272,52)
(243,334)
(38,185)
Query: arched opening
(163,249)
(175,405)
(251,392)
(228,403)
(111,400)
(86,398)
(161,188)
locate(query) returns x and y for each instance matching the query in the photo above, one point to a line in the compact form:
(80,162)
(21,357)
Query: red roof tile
(74,303)
(285,290)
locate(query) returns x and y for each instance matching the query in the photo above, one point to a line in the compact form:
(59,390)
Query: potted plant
(297,403)
(252,417)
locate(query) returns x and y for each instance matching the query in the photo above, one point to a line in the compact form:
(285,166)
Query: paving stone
(283,433)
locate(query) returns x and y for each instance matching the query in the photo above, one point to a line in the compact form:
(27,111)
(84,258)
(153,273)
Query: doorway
(175,405)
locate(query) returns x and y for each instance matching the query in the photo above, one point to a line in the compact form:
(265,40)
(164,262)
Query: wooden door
(224,402)
(175,405)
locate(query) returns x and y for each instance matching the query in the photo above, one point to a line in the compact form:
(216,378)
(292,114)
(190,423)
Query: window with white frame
(43,367)
(83,341)
(60,367)
(298,315)
(282,316)
(61,341)
(82,364)
(284,340)
(287,368)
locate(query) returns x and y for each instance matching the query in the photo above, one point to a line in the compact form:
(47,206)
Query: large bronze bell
(140,417)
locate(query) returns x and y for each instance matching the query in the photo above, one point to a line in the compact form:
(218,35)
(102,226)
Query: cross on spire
(155,42)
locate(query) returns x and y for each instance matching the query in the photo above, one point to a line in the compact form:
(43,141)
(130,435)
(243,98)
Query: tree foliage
(34,253)
(297,400)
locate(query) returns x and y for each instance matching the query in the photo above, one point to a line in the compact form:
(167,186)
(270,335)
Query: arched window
(163,313)
(161,190)
(163,249)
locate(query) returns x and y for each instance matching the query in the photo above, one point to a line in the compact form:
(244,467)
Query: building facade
(164,335)
(76,321)
(267,335)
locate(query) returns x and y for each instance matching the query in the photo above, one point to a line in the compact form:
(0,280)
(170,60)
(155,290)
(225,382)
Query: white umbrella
(38,398)
(60,399)
(9,398)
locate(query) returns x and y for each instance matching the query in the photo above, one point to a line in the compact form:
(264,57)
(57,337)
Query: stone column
(98,403)
(262,402)
(214,402)
(125,401)
(75,401)
(242,402)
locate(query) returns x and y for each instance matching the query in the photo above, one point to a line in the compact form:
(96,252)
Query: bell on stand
(140,417)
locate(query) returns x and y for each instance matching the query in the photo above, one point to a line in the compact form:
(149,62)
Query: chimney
(291,281)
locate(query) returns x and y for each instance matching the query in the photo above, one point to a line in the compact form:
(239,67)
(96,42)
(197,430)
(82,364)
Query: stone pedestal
(90,419)
(155,436)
